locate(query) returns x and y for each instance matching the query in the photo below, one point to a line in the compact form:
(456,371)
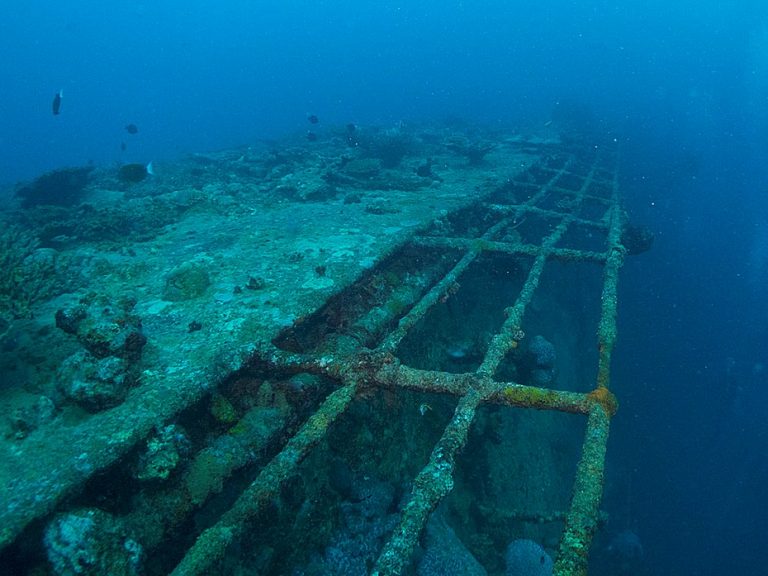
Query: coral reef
(362,167)
(28,273)
(132,220)
(389,146)
(64,187)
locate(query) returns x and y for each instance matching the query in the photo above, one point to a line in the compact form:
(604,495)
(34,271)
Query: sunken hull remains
(268,358)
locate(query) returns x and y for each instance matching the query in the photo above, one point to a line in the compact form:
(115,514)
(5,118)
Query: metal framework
(557,189)
(569,189)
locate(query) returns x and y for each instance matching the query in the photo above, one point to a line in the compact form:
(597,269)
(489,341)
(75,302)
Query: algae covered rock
(223,410)
(94,383)
(100,375)
(91,542)
(162,454)
(104,329)
(187,281)
(105,336)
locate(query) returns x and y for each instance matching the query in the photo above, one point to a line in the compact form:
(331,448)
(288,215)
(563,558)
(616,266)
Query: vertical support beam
(606,330)
(432,484)
(581,520)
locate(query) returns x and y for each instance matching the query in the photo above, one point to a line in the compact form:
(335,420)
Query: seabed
(354,355)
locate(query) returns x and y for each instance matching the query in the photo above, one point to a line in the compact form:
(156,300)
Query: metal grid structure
(361,356)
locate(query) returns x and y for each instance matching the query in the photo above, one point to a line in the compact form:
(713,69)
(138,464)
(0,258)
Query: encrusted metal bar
(583,515)
(505,339)
(432,484)
(163,510)
(606,332)
(393,375)
(441,288)
(506,209)
(565,254)
(427,302)
(211,545)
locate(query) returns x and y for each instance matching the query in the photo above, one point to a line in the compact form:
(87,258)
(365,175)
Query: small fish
(313,119)
(424,408)
(133,173)
(311,136)
(57,102)
(132,129)
(123,146)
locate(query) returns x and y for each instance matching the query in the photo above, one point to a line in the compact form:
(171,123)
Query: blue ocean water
(683,86)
